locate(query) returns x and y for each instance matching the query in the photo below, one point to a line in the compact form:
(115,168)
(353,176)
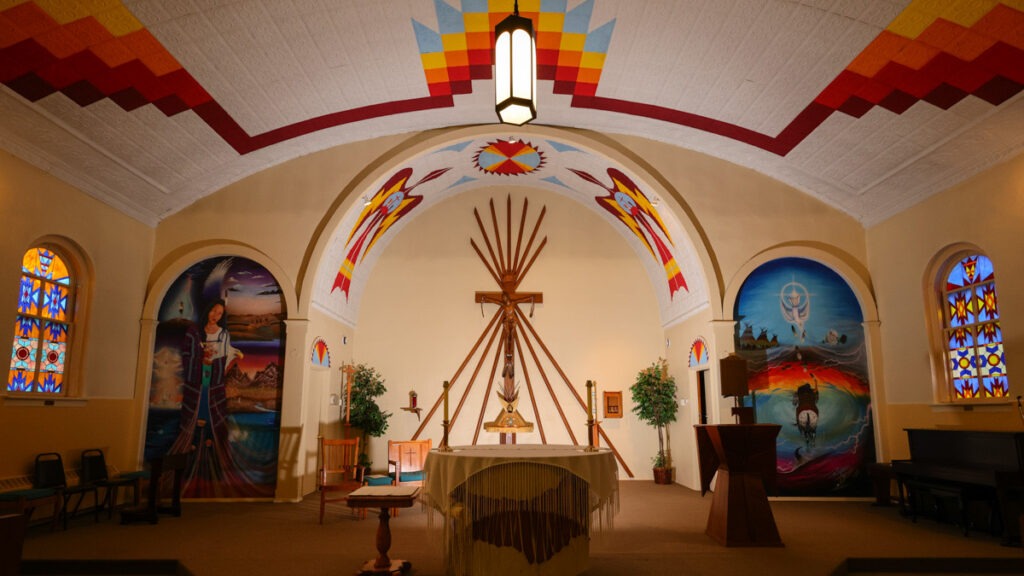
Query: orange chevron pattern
(568,52)
(938,52)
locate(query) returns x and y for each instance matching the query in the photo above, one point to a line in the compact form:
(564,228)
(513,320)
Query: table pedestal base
(396,567)
(385,498)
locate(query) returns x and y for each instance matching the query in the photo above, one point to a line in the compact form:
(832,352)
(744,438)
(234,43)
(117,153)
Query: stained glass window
(43,324)
(973,336)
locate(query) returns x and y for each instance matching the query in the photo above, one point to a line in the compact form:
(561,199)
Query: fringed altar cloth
(521,509)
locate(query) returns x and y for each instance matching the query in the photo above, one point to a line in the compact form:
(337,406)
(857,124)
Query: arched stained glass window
(43,324)
(975,358)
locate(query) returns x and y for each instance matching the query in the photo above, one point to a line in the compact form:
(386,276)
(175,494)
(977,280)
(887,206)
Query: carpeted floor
(659,530)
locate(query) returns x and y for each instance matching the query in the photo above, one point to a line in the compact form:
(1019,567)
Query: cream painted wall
(683,443)
(418,319)
(741,213)
(599,319)
(744,213)
(988,211)
(278,211)
(119,249)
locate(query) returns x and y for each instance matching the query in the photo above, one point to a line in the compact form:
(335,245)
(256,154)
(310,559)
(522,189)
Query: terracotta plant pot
(663,475)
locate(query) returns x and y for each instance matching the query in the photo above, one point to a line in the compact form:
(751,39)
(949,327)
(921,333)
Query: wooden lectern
(743,455)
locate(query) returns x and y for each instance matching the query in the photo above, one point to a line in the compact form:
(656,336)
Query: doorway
(702,394)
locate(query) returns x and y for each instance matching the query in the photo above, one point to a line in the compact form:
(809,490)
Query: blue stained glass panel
(28,298)
(51,382)
(17,381)
(996,387)
(960,338)
(55,302)
(991,361)
(962,362)
(986,303)
(55,331)
(961,308)
(966,387)
(970,270)
(984,270)
(26,327)
(990,333)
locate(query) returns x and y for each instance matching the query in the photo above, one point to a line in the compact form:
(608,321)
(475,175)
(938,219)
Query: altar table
(521,509)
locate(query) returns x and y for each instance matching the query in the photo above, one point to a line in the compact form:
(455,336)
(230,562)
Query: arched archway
(661,229)
(213,375)
(807,332)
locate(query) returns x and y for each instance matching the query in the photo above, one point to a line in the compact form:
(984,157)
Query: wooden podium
(385,498)
(743,455)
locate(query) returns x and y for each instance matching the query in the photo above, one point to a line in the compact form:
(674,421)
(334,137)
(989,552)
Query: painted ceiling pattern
(626,202)
(927,91)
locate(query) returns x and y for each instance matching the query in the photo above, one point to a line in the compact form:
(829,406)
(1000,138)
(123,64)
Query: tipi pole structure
(457,373)
(476,371)
(487,241)
(529,244)
(490,385)
(576,394)
(522,226)
(551,391)
(529,389)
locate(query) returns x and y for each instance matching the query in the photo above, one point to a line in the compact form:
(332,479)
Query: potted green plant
(654,402)
(364,413)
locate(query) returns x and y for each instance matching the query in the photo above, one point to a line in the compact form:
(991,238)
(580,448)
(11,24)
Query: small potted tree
(364,413)
(654,402)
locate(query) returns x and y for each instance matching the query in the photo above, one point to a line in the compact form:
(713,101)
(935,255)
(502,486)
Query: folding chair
(94,472)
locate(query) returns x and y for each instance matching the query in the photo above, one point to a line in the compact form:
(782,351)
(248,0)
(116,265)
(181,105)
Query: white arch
(168,270)
(701,261)
(856,277)
(839,261)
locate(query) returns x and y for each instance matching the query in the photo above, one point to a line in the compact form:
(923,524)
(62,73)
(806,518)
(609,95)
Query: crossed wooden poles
(508,269)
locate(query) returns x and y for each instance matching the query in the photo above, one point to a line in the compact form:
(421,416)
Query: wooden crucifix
(508,271)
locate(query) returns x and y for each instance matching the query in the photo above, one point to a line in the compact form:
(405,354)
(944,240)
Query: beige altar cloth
(521,509)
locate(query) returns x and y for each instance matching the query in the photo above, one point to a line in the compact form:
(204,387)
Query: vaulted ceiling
(870,106)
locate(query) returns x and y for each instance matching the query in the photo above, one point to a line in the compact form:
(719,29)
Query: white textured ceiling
(869,105)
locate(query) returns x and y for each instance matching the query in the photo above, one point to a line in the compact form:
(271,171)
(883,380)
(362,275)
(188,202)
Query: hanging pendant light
(515,70)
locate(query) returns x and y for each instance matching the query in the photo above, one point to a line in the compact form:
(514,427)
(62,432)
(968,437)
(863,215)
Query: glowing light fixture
(515,69)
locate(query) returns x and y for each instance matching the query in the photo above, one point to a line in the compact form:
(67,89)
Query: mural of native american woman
(216,385)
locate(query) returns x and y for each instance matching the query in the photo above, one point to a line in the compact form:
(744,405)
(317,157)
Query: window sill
(38,401)
(968,406)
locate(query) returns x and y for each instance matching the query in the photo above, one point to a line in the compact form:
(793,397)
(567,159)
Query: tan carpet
(659,530)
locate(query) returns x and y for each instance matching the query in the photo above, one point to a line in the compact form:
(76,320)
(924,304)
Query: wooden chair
(339,471)
(406,459)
